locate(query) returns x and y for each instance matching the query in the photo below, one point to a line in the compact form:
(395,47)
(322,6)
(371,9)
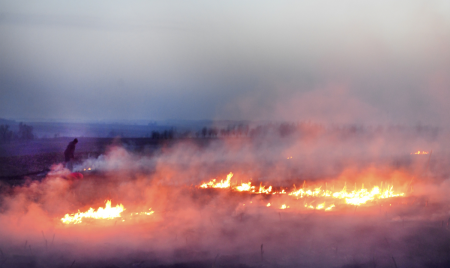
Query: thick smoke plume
(223,228)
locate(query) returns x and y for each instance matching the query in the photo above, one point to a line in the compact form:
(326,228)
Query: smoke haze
(333,95)
(332,62)
(204,227)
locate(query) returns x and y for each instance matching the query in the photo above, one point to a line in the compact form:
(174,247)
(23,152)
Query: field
(312,200)
(34,158)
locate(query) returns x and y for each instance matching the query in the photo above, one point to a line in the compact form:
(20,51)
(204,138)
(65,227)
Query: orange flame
(420,152)
(356,197)
(102,213)
(245,187)
(221,184)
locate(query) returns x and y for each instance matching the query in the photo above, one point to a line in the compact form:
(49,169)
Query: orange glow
(246,187)
(102,213)
(221,184)
(355,197)
(107,213)
(362,196)
(420,152)
(263,190)
(321,206)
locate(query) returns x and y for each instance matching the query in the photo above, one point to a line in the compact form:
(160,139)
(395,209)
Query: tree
(25,132)
(155,135)
(6,135)
(212,132)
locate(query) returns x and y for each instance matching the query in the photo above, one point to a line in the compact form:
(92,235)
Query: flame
(320,206)
(284,206)
(356,197)
(102,213)
(362,196)
(246,187)
(146,213)
(143,213)
(263,190)
(221,184)
(420,152)
(302,193)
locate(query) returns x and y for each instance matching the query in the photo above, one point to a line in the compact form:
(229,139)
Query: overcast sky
(329,61)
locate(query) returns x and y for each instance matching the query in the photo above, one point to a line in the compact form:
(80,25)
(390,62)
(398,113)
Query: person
(69,153)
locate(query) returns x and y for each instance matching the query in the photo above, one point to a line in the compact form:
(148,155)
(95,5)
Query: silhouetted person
(69,153)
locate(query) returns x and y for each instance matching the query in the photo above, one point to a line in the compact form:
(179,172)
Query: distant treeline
(281,130)
(25,133)
(303,129)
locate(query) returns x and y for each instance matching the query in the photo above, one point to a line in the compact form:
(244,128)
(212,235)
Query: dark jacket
(70,150)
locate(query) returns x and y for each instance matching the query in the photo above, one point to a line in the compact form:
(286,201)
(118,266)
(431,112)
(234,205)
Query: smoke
(204,227)
(156,61)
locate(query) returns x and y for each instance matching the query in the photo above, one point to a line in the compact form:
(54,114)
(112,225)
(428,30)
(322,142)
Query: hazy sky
(330,61)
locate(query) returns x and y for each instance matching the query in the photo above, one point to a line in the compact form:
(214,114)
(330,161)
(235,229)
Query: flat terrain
(193,227)
(34,158)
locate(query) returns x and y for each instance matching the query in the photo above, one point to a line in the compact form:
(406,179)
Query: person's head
(75,140)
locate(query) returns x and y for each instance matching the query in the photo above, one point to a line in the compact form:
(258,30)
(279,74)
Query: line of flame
(102,213)
(356,197)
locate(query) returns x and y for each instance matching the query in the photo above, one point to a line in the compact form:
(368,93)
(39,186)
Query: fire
(420,152)
(221,184)
(263,190)
(143,213)
(302,193)
(362,196)
(102,213)
(355,197)
(321,206)
(246,187)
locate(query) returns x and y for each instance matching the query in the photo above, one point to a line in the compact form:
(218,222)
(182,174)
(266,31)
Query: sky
(326,61)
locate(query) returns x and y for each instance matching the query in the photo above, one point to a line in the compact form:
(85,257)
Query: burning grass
(184,207)
(355,197)
(107,212)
